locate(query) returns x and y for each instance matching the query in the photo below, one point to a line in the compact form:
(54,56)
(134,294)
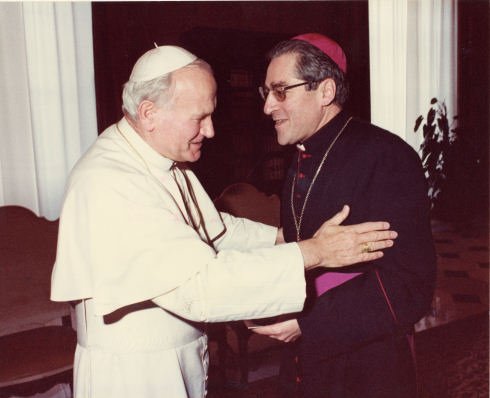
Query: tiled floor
(462,274)
(462,291)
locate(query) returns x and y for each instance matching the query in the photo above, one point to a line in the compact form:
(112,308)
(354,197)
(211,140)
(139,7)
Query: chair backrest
(245,200)
(21,229)
(27,255)
(29,353)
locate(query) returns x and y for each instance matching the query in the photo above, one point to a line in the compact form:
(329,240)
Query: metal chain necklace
(298,222)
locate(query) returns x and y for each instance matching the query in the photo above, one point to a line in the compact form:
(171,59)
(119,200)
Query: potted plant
(438,139)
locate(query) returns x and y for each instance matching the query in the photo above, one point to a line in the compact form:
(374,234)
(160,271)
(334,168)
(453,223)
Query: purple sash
(329,280)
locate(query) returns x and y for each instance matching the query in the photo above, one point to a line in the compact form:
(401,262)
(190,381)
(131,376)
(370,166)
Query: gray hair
(156,90)
(314,66)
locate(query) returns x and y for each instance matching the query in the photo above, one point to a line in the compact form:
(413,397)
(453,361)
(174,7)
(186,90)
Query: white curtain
(47,106)
(413,58)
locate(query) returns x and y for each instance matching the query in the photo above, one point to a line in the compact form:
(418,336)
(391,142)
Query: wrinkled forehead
(194,79)
(194,87)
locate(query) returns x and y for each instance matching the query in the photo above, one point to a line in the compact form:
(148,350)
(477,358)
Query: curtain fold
(413,53)
(47,77)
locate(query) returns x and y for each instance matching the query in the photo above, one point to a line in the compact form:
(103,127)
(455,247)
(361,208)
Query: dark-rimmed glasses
(279,92)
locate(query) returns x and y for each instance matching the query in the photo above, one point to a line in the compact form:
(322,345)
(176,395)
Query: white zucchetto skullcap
(159,61)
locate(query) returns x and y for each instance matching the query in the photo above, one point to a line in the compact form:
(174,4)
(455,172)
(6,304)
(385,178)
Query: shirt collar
(319,141)
(151,157)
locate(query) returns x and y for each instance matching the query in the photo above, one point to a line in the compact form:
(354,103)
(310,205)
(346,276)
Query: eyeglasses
(279,92)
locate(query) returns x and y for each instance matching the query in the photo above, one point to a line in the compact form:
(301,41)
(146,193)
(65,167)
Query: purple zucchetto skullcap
(159,61)
(328,46)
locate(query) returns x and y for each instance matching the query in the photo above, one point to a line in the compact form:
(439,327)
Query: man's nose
(207,128)
(270,103)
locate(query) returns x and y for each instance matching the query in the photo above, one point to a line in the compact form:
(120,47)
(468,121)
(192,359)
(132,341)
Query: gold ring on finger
(365,247)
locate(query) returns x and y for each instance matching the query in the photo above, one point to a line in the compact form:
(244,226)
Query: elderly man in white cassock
(146,257)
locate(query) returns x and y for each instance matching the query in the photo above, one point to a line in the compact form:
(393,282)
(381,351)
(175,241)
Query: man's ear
(146,113)
(328,90)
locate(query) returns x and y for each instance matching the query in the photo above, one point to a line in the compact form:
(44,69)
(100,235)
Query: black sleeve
(357,312)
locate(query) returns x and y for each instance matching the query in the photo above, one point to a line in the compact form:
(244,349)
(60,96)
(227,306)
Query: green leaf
(443,126)
(430,116)
(417,123)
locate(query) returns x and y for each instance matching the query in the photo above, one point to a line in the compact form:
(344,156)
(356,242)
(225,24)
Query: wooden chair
(245,200)
(34,360)
(33,357)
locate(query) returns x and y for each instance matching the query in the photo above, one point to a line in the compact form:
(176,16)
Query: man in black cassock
(351,339)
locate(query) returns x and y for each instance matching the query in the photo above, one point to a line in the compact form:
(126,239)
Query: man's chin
(282,139)
(194,156)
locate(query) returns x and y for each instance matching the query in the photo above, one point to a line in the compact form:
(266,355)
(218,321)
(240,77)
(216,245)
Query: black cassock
(351,345)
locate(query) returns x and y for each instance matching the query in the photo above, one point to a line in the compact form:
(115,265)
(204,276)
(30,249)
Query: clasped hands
(286,330)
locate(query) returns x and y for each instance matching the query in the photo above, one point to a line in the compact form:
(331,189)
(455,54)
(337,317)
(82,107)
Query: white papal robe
(124,238)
